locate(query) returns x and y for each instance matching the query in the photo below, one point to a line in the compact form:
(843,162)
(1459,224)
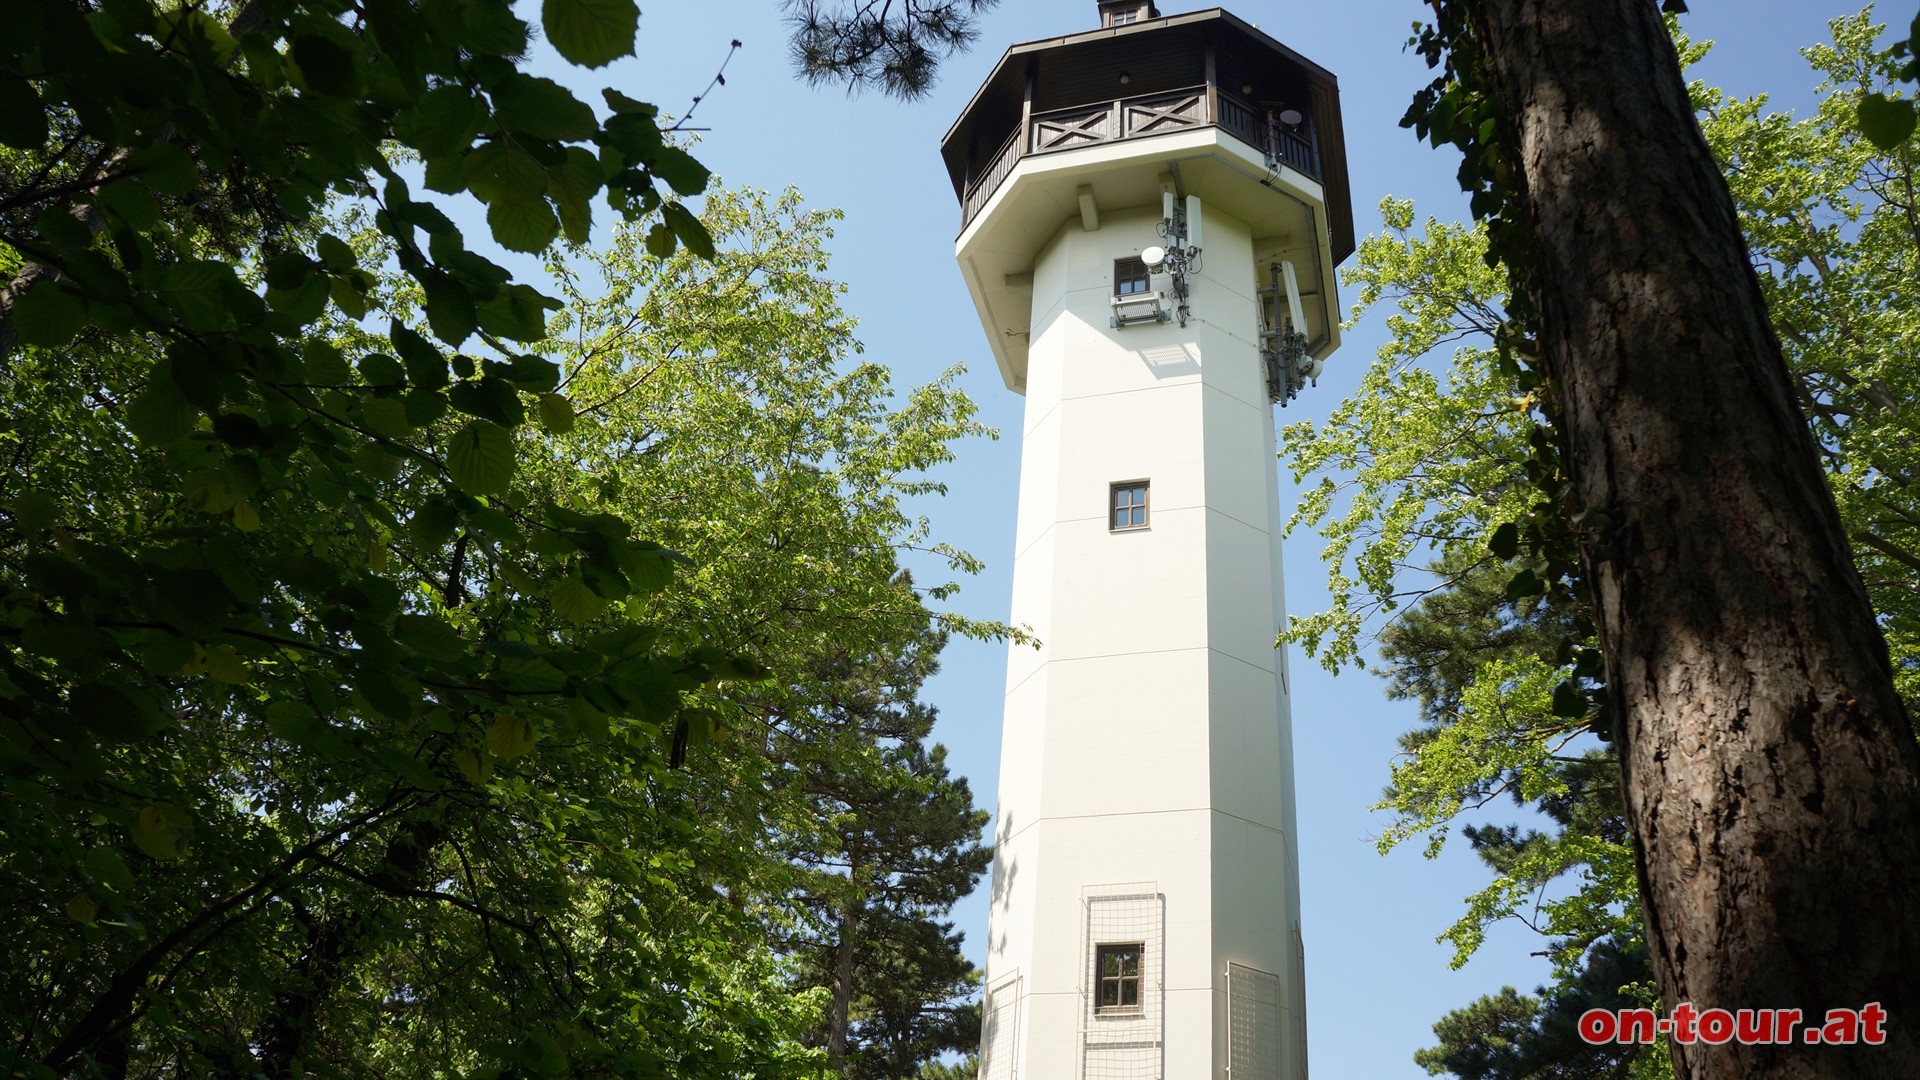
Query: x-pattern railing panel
(1059,131)
(1154,115)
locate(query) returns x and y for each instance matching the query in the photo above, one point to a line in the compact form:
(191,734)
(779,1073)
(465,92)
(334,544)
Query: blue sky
(1376,979)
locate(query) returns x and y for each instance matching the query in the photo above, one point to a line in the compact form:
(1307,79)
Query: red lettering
(1683,1021)
(1716,1026)
(1597,1026)
(1638,1026)
(1872,1016)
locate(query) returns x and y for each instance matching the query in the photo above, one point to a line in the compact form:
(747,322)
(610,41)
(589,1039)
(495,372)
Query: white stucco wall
(1148,741)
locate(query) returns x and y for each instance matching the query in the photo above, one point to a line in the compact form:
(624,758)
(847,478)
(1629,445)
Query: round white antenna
(1291,117)
(1154,257)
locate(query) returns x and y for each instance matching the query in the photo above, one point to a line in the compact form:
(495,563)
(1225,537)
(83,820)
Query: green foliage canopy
(358,715)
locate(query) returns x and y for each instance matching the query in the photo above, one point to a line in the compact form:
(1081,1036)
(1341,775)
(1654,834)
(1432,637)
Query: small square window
(1116,971)
(1128,506)
(1122,18)
(1130,277)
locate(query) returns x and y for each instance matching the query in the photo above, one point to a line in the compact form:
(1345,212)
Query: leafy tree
(892,850)
(349,724)
(1465,480)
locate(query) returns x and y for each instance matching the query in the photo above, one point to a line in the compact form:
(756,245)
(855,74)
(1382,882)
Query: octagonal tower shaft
(1152,285)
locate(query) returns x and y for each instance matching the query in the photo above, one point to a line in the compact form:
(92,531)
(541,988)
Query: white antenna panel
(1293,297)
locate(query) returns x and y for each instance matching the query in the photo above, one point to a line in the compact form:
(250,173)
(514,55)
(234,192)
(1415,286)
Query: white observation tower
(1151,216)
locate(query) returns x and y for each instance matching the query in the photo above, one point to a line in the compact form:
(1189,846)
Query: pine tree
(893,843)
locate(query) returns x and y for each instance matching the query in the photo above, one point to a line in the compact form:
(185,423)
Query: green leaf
(442,122)
(335,253)
(1568,700)
(433,523)
(426,406)
(326,364)
(161,830)
(166,168)
(131,202)
(225,665)
(48,316)
(304,303)
(429,635)
(533,373)
(351,301)
(572,187)
(490,398)
(523,224)
(689,229)
(449,309)
(1506,541)
(477,768)
(490,28)
(591,33)
(480,458)
(23,117)
(624,105)
(661,241)
(681,172)
(418,353)
(193,287)
(106,712)
(541,108)
(386,416)
(518,312)
(1523,584)
(575,602)
(499,170)
(160,413)
(511,735)
(556,413)
(379,369)
(327,66)
(1885,123)
(198,26)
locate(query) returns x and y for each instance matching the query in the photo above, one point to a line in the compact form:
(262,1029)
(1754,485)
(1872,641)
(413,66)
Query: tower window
(1123,12)
(1130,277)
(1128,506)
(1117,979)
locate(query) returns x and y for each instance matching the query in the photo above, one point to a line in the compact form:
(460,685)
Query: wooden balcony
(1143,117)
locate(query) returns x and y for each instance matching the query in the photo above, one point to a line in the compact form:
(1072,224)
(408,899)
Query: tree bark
(838,1015)
(1769,769)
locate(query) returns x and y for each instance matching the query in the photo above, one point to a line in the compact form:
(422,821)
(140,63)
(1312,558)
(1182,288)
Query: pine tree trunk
(842,989)
(1771,775)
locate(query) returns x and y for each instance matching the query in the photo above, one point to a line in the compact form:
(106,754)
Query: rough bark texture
(839,1012)
(1771,774)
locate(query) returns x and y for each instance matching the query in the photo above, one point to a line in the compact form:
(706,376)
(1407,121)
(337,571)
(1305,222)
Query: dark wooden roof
(1163,53)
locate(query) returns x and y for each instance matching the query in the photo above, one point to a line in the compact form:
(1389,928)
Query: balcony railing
(1140,117)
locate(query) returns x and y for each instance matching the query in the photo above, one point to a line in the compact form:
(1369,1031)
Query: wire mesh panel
(1122,1011)
(1253,1024)
(1297,1005)
(1000,1030)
